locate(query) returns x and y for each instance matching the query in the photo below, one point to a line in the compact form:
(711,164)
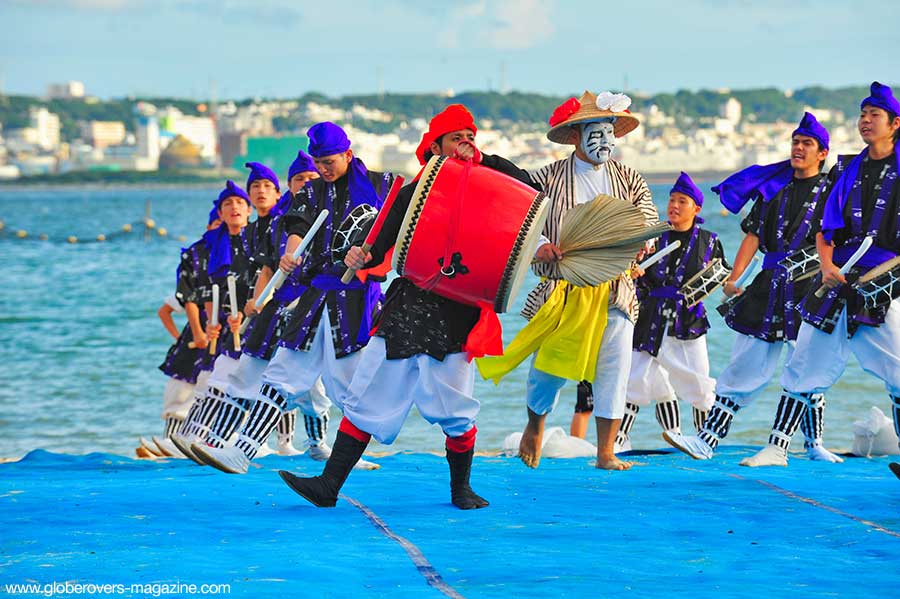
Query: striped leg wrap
(699,417)
(286,426)
(668,415)
(264,416)
(631,411)
(316,428)
(813,421)
(715,427)
(895,401)
(198,418)
(172,425)
(788,415)
(227,420)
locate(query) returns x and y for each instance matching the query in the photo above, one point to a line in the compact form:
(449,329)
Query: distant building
(731,111)
(65,91)
(46,127)
(102,134)
(199,130)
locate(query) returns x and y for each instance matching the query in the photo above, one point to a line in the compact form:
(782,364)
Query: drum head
(523,252)
(702,284)
(413,211)
(879,270)
(353,230)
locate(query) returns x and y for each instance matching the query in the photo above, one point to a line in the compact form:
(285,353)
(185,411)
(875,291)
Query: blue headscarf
(218,241)
(261,171)
(880,96)
(810,127)
(326,139)
(301,164)
(685,185)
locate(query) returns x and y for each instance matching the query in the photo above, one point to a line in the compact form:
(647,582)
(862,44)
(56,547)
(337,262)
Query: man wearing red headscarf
(418,355)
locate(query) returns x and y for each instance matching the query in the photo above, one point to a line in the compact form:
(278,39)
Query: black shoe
(461,494)
(314,489)
(323,490)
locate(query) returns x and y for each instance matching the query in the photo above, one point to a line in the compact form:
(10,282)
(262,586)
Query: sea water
(80,340)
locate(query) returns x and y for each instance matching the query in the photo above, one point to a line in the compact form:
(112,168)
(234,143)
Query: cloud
(522,24)
(500,25)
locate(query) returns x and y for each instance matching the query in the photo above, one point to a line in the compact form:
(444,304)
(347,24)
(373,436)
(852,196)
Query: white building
(65,91)
(200,130)
(46,127)
(731,110)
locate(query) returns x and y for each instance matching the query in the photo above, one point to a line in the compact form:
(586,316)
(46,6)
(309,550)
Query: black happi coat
(183,362)
(765,310)
(347,305)
(658,314)
(876,177)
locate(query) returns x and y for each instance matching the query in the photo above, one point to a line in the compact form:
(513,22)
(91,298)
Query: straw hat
(587,109)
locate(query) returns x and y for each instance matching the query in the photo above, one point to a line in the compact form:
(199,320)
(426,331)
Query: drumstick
(662,253)
(214,317)
(863,248)
(278,278)
(751,268)
(232,295)
(376,226)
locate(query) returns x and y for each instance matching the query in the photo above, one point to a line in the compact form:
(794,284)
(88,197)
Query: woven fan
(600,239)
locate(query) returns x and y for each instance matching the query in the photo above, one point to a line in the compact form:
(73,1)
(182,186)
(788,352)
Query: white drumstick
(671,247)
(214,317)
(278,278)
(747,272)
(863,248)
(232,295)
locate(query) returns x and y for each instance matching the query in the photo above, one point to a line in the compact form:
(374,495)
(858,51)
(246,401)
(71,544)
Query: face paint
(598,140)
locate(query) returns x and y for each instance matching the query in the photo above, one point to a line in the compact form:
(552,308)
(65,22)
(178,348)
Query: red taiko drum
(470,233)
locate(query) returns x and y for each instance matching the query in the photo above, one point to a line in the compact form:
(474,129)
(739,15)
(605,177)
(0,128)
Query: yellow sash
(565,332)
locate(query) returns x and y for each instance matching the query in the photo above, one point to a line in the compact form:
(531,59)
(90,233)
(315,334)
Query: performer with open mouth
(788,199)
(420,354)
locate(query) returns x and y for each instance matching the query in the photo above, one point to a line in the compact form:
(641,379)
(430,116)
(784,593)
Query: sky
(284,48)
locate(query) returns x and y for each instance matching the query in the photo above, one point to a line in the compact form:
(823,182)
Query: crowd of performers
(629,342)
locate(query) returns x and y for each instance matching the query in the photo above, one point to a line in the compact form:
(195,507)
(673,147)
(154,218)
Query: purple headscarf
(810,127)
(685,185)
(326,139)
(218,240)
(882,97)
(766,181)
(261,171)
(302,163)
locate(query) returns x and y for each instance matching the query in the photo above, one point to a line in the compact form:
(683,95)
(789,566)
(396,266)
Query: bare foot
(532,439)
(611,462)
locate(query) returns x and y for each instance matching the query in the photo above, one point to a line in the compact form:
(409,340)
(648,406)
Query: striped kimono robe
(558,182)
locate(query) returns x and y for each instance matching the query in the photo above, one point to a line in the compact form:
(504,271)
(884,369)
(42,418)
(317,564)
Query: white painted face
(598,140)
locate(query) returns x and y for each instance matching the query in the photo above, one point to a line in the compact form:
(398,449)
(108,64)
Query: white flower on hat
(613,102)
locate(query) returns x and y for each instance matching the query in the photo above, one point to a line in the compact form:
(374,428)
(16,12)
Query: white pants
(294,373)
(750,368)
(681,369)
(383,392)
(819,359)
(610,377)
(245,380)
(223,367)
(200,385)
(177,398)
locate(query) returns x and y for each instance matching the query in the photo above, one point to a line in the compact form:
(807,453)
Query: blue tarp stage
(670,526)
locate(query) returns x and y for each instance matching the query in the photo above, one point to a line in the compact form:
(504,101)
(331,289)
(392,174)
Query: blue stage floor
(671,526)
